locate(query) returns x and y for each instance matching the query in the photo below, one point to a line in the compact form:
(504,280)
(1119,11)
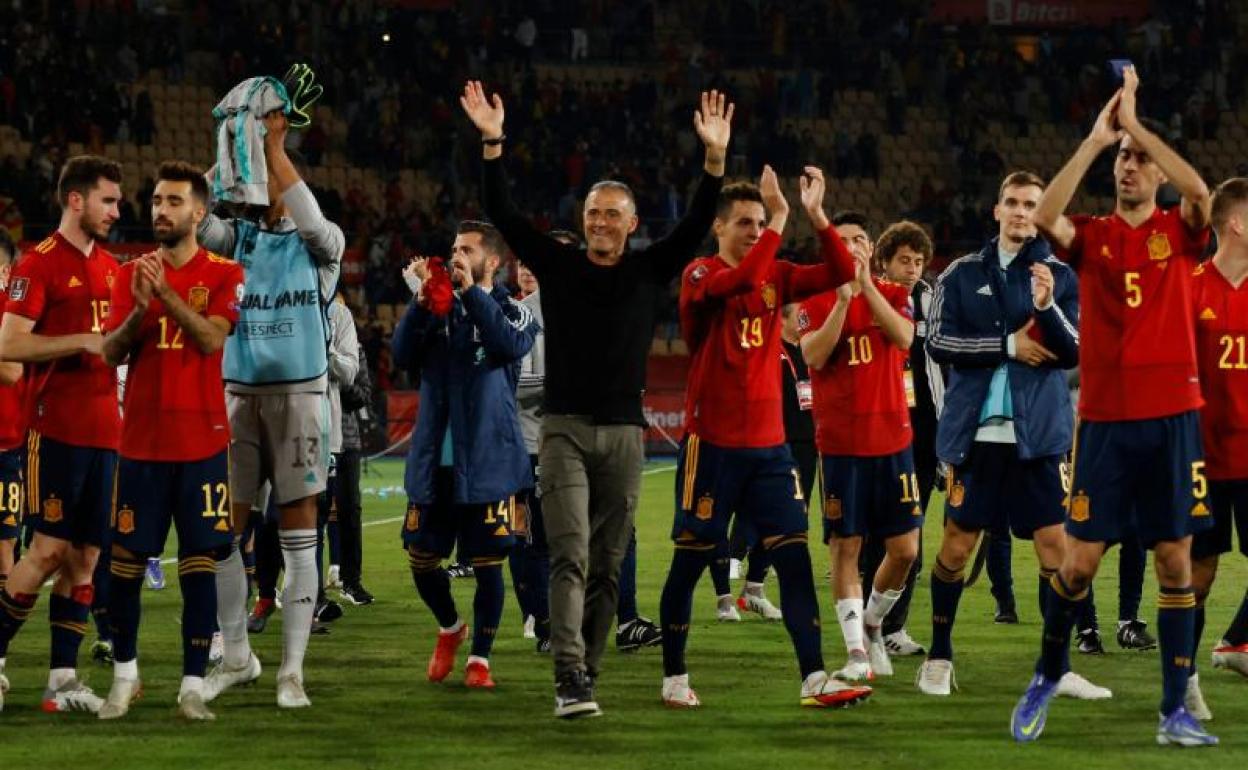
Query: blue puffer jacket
(977,307)
(468,364)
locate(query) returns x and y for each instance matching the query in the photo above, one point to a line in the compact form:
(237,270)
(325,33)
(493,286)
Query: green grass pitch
(372,707)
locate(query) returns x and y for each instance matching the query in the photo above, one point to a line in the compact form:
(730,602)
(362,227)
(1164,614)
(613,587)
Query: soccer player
(53,319)
(169,316)
(275,371)
(733,458)
(12,441)
(467,459)
(1220,304)
(1138,462)
(1005,321)
(855,342)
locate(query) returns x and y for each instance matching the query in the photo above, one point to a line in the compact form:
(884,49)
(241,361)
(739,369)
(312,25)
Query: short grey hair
(612,184)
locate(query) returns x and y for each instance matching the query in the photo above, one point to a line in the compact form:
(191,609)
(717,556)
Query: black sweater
(599,320)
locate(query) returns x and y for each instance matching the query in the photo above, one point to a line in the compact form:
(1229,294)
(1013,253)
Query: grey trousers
(590,483)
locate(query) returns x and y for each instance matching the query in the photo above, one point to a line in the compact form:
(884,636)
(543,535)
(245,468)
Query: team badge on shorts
(198,299)
(125,521)
(1080,508)
(706,507)
(832,509)
(52,511)
(769,296)
(1158,247)
(957,493)
(412,522)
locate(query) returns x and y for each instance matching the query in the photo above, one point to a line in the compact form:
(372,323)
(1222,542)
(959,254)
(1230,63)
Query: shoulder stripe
(46,245)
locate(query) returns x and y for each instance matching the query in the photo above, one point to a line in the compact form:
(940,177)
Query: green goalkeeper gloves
(303,90)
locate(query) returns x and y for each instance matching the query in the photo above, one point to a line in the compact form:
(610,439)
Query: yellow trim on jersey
(692,445)
(46,245)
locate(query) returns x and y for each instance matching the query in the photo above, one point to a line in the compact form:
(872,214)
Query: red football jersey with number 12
(1137,355)
(66,292)
(860,393)
(1221,312)
(175,398)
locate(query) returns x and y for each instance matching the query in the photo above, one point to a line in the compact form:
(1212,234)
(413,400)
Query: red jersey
(1138,346)
(175,398)
(66,292)
(860,393)
(1221,313)
(731,319)
(12,410)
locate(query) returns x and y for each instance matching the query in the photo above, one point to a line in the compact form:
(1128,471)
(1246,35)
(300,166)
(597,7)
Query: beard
(171,235)
(95,229)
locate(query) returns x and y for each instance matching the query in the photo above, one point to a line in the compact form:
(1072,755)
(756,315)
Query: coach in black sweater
(598,303)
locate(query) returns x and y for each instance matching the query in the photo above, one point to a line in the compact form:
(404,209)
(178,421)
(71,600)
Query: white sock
(878,607)
(191,684)
(299,597)
(453,629)
(477,659)
(126,669)
(725,599)
(753,589)
(59,676)
(849,615)
(232,609)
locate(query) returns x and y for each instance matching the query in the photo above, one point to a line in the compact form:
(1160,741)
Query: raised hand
(1041,285)
(1107,130)
(773,196)
(275,127)
(485,114)
(1127,118)
(416,274)
(140,282)
(461,273)
(713,121)
(153,268)
(813,187)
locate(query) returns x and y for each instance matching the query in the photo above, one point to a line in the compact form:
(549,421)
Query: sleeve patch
(803,320)
(17,291)
(698,274)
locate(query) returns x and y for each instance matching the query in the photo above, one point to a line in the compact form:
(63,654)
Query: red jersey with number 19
(860,393)
(1138,357)
(66,292)
(1221,312)
(12,410)
(734,396)
(175,398)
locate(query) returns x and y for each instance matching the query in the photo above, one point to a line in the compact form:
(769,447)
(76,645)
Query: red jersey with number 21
(860,395)
(175,398)
(1137,355)
(66,292)
(1221,313)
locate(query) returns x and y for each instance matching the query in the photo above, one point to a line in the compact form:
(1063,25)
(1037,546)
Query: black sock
(1237,633)
(676,604)
(197,577)
(1059,618)
(947,588)
(798,601)
(434,586)
(487,604)
(756,572)
(68,617)
(14,610)
(125,605)
(1131,562)
(720,563)
(1198,630)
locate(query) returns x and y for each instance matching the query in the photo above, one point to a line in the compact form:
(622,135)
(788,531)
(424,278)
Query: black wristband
(496,141)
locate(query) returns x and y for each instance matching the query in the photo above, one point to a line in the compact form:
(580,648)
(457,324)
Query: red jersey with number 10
(1137,354)
(860,393)
(66,292)
(175,398)
(1221,313)
(734,397)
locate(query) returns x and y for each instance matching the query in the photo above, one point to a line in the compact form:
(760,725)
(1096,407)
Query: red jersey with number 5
(74,399)
(175,398)
(860,393)
(1137,354)
(1221,313)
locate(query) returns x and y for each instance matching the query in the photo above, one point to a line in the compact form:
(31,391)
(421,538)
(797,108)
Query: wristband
(494,142)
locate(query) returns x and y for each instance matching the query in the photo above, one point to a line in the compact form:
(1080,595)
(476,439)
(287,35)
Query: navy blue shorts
(12,493)
(1229,500)
(994,490)
(193,496)
(759,485)
(69,490)
(1142,476)
(483,529)
(875,496)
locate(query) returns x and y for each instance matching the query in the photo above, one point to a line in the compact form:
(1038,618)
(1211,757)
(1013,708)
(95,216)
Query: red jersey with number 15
(860,393)
(734,397)
(66,292)
(1137,355)
(175,398)
(1221,313)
